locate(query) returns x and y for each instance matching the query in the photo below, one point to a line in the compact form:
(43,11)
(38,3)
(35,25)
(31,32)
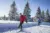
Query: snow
(35,29)
(38,29)
(30,28)
(8,21)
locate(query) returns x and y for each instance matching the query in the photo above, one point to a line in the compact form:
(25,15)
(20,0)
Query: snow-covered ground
(8,21)
(35,29)
(30,27)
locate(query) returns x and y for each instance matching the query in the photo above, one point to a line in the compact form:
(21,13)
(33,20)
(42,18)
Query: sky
(5,6)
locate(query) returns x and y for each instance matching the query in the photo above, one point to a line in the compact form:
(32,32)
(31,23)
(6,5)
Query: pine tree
(47,16)
(47,13)
(13,13)
(38,14)
(27,11)
(43,15)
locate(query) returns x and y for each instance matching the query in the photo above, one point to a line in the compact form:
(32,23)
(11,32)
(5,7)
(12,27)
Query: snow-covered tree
(47,16)
(27,11)
(38,14)
(47,13)
(43,15)
(13,12)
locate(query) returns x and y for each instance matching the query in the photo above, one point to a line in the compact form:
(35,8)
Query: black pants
(39,23)
(20,25)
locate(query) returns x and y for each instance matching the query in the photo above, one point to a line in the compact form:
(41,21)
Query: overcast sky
(20,5)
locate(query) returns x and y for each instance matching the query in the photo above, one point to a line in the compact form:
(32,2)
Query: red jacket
(22,18)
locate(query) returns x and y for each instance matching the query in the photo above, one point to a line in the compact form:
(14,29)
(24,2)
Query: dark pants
(39,23)
(20,25)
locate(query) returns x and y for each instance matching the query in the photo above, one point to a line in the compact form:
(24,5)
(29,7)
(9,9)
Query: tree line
(45,16)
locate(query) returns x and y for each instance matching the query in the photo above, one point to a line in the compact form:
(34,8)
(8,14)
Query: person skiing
(22,19)
(39,21)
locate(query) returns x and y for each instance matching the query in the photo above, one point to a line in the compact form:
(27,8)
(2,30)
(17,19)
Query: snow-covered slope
(34,29)
(30,27)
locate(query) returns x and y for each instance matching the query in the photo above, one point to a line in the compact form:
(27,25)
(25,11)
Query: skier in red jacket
(22,19)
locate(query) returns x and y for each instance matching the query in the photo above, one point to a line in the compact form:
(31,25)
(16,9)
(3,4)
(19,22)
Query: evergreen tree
(43,15)
(27,11)
(13,13)
(38,14)
(47,16)
(47,13)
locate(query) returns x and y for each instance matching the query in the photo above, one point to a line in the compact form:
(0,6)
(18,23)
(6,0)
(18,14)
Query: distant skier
(22,19)
(39,21)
